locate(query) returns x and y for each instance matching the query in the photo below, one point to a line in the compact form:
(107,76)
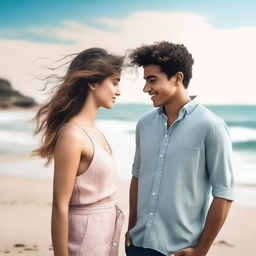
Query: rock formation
(12,98)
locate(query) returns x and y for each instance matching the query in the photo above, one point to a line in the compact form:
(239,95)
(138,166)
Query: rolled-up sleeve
(136,162)
(219,161)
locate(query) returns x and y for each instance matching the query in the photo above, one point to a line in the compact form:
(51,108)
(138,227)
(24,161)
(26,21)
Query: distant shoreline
(11,109)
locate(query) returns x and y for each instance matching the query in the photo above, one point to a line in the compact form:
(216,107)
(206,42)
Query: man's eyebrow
(150,76)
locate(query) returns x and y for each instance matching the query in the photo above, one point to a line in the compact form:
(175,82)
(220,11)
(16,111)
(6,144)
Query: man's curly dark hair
(171,58)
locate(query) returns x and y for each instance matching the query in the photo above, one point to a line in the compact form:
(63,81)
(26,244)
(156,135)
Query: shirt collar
(188,108)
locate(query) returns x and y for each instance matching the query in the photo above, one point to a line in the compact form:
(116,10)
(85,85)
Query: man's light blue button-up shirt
(178,168)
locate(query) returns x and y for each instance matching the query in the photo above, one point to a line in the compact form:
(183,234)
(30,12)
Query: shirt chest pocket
(185,157)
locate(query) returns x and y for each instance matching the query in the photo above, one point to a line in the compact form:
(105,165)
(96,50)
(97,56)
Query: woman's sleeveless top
(97,185)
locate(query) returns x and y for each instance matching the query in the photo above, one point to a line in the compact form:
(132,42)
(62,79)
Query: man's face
(158,86)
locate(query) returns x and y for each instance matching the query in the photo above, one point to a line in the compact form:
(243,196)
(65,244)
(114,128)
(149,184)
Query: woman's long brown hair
(90,66)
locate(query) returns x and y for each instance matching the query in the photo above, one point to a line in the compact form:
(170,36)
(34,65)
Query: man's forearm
(133,202)
(216,217)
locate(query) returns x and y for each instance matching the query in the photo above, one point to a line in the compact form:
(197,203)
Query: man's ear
(179,77)
(91,86)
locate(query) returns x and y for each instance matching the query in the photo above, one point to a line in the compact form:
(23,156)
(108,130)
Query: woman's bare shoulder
(72,135)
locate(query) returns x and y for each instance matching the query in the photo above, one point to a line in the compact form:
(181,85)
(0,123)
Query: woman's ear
(92,86)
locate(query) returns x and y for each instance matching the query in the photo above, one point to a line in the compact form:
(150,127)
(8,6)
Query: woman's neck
(87,115)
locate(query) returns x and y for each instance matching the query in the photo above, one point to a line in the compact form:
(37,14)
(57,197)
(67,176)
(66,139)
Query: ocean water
(119,125)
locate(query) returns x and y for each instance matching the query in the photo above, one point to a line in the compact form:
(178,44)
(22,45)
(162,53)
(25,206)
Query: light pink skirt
(94,230)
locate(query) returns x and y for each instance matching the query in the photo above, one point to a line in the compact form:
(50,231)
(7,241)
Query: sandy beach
(25,213)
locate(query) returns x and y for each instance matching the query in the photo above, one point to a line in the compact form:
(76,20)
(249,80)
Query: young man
(182,156)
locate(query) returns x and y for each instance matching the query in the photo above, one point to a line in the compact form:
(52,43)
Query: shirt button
(153,193)
(161,155)
(165,123)
(151,213)
(114,244)
(165,135)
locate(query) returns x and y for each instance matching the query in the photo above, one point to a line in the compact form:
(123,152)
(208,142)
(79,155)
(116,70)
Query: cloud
(224,58)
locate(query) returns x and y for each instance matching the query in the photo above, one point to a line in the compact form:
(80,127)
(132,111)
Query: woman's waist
(89,209)
(99,206)
(90,194)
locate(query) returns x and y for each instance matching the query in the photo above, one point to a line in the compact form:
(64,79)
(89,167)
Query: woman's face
(107,91)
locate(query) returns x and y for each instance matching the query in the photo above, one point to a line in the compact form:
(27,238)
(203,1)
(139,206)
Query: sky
(221,35)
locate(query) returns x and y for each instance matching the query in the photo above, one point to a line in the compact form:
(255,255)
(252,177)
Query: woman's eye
(152,81)
(115,82)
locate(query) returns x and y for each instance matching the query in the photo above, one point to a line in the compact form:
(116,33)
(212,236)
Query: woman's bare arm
(66,161)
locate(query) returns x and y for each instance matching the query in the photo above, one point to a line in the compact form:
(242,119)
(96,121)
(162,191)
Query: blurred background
(34,35)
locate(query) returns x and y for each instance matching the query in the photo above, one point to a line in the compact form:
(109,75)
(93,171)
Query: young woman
(85,219)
